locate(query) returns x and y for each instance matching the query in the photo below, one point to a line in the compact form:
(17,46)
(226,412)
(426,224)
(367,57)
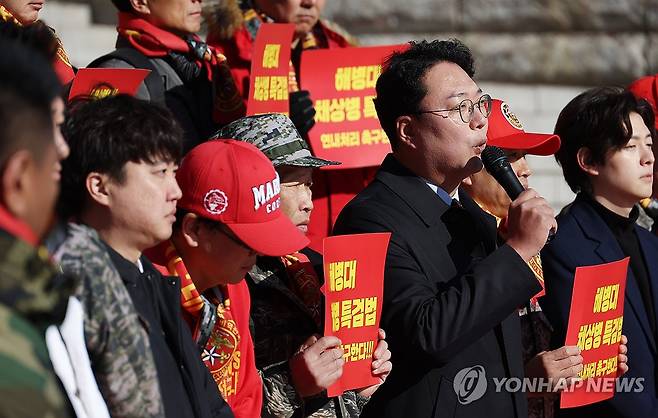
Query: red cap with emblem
(647,88)
(234,183)
(506,131)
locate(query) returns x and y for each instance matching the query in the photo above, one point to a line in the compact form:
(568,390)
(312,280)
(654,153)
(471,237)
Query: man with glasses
(450,293)
(228,214)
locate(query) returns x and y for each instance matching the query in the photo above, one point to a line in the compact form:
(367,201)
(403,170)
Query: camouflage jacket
(30,301)
(117,342)
(282,322)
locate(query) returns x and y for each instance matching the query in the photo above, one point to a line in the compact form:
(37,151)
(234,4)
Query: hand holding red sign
(381,365)
(317,365)
(595,325)
(564,362)
(354,273)
(622,364)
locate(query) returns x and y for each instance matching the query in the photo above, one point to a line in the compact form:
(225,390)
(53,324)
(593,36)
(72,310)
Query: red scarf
(229,352)
(166,259)
(155,42)
(62,65)
(17,227)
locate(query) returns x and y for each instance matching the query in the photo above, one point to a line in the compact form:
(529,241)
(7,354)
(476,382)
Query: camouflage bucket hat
(276,136)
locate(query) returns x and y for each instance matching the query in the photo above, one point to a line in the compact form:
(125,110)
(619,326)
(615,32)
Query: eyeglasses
(466,109)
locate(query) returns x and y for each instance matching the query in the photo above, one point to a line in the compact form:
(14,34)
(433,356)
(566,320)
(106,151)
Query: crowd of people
(160,254)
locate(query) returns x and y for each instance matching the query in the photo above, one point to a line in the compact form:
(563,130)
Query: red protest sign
(595,323)
(342,86)
(97,83)
(270,69)
(353,289)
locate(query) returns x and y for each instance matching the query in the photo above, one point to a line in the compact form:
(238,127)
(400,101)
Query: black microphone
(497,164)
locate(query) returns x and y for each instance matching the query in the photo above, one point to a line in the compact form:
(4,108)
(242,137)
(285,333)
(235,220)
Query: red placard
(353,289)
(103,82)
(595,325)
(342,85)
(270,69)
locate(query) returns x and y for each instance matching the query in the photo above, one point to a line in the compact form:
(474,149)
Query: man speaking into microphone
(450,292)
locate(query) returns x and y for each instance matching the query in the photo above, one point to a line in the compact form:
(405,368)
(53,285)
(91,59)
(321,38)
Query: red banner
(342,85)
(103,82)
(595,323)
(353,289)
(270,69)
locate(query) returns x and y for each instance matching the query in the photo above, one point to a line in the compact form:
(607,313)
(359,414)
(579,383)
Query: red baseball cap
(234,183)
(647,88)
(506,131)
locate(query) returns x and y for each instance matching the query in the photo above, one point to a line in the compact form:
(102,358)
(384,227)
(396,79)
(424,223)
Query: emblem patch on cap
(215,202)
(510,116)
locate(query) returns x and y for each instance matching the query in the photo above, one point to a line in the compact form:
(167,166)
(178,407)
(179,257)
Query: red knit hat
(234,183)
(506,131)
(647,88)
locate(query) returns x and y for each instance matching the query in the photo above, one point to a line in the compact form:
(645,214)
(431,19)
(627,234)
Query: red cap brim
(275,238)
(536,144)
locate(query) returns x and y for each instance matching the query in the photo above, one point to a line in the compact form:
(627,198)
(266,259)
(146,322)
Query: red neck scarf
(156,42)
(165,255)
(16,227)
(229,341)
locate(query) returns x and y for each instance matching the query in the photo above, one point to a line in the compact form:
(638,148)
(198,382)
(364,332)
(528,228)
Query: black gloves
(185,67)
(302,112)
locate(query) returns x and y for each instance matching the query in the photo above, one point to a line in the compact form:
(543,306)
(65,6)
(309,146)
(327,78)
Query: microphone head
(497,164)
(494,159)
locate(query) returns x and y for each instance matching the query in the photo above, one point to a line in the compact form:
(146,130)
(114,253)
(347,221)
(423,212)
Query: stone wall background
(535,54)
(566,42)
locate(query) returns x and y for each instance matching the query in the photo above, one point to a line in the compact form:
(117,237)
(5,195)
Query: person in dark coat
(451,294)
(606,158)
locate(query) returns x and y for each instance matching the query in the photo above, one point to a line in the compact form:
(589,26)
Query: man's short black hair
(28,86)
(123,6)
(598,120)
(401,87)
(104,135)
